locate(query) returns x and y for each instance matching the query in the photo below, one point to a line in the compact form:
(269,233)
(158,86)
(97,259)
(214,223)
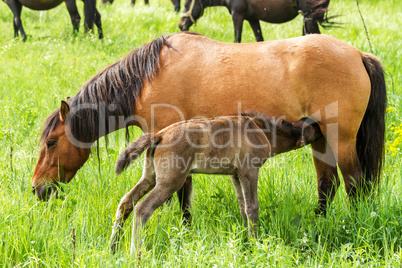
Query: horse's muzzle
(185,24)
(42,191)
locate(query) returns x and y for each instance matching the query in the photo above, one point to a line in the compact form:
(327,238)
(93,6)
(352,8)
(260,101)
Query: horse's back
(294,77)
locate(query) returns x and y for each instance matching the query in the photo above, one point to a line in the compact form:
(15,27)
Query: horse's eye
(51,144)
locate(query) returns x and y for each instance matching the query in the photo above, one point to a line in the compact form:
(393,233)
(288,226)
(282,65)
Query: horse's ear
(68,99)
(64,109)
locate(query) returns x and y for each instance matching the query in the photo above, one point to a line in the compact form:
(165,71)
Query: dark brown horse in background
(91,13)
(176,3)
(184,75)
(273,11)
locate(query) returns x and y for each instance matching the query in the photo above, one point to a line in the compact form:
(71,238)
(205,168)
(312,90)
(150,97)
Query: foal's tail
(371,135)
(135,149)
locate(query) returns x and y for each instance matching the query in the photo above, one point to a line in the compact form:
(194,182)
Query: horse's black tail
(135,149)
(89,11)
(319,14)
(371,135)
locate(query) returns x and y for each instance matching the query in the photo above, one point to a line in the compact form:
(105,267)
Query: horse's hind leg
(75,16)
(327,174)
(16,8)
(255,25)
(98,23)
(349,165)
(184,195)
(238,25)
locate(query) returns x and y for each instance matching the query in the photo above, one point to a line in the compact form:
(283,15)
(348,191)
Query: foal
(232,145)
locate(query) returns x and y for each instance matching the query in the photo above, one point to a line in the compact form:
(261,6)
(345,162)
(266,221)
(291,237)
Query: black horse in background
(274,11)
(176,3)
(91,13)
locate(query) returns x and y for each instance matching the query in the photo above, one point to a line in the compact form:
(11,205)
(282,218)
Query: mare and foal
(232,145)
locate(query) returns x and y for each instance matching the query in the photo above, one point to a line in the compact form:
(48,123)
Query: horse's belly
(272,12)
(40,4)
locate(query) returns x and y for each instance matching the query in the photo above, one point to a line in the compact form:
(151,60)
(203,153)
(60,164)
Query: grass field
(53,64)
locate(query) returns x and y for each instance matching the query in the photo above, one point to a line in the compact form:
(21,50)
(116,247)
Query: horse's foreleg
(74,15)
(132,2)
(126,206)
(248,182)
(184,195)
(16,8)
(146,2)
(238,25)
(327,174)
(255,25)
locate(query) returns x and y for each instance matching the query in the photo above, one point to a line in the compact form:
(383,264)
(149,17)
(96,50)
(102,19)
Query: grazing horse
(176,3)
(186,75)
(91,13)
(230,145)
(273,11)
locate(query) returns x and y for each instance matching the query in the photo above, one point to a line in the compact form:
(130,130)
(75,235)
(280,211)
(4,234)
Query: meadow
(53,63)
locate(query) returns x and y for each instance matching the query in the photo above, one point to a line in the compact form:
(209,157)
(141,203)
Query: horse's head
(60,157)
(193,9)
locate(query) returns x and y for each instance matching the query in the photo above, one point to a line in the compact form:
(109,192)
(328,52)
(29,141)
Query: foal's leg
(16,8)
(327,174)
(248,182)
(127,203)
(75,16)
(255,25)
(184,195)
(164,188)
(240,198)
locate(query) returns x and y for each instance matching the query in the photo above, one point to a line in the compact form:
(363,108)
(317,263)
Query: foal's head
(284,135)
(193,10)
(59,158)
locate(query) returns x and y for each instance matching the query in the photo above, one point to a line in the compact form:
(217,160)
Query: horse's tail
(319,13)
(135,149)
(89,11)
(371,135)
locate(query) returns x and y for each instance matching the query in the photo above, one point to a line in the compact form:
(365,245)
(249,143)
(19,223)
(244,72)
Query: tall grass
(52,64)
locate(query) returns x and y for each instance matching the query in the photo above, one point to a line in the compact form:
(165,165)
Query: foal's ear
(64,109)
(68,99)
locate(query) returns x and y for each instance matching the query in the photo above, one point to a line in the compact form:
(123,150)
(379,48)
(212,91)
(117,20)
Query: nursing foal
(232,145)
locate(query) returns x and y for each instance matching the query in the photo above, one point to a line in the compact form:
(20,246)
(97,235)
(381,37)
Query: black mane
(110,93)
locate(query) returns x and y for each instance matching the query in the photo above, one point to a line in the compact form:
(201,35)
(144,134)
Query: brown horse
(91,13)
(186,75)
(273,11)
(230,145)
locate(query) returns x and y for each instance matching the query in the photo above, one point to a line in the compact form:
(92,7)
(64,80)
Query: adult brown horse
(186,75)
(91,13)
(273,11)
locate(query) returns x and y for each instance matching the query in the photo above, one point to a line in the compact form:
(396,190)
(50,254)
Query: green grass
(52,64)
